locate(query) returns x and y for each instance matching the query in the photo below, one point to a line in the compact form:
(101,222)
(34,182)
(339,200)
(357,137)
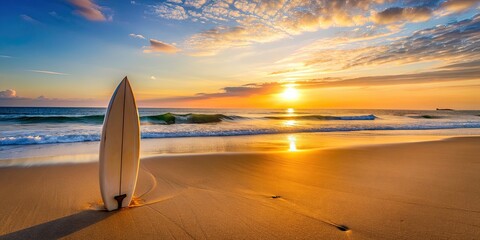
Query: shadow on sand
(60,227)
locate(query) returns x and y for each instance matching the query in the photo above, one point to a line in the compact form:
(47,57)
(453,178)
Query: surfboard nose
(124,80)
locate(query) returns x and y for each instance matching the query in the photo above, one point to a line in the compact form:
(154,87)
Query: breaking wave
(167,118)
(88,137)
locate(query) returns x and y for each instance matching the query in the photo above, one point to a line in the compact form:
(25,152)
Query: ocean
(45,125)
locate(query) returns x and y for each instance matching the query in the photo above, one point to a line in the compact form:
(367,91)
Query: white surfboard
(120,149)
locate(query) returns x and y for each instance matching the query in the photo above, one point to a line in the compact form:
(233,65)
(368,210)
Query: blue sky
(194,52)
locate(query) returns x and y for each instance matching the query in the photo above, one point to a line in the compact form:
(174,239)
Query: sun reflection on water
(292,146)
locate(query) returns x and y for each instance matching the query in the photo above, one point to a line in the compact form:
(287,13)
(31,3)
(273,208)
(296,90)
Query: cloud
(462,65)
(253,22)
(9,97)
(170,11)
(236,91)
(55,15)
(29,19)
(455,74)
(361,34)
(399,14)
(240,23)
(458,5)
(136,35)
(88,10)
(5,56)
(211,42)
(159,46)
(48,72)
(195,3)
(9,93)
(458,72)
(450,43)
(423,11)
(153,77)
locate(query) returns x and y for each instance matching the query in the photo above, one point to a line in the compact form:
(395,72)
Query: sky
(348,54)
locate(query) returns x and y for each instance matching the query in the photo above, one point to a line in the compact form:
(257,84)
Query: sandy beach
(240,119)
(424,190)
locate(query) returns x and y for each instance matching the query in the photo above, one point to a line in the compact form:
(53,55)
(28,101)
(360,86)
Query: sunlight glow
(290,110)
(290,94)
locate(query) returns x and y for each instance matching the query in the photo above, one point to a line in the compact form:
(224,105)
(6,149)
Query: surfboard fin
(119,199)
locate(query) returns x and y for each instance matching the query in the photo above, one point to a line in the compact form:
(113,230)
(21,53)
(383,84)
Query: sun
(290,94)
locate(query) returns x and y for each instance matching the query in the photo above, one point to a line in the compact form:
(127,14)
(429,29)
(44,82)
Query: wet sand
(425,190)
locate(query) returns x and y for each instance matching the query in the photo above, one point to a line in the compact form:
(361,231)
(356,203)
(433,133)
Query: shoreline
(242,153)
(393,191)
(81,152)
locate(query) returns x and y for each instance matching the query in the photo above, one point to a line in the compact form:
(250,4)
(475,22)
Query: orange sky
(241,53)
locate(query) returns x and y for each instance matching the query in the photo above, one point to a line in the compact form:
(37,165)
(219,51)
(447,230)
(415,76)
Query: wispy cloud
(29,19)
(213,41)
(5,56)
(136,35)
(56,15)
(48,72)
(159,46)
(449,43)
(458,5)
(89,10)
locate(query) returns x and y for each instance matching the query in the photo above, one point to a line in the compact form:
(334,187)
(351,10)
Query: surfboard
(120,149)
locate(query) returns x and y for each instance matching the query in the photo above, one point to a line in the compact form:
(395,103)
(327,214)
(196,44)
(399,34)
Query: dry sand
(427,190)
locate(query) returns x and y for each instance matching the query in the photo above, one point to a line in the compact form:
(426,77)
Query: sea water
(39,125)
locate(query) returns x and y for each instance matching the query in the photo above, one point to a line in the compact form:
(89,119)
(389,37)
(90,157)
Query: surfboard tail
(119,199)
